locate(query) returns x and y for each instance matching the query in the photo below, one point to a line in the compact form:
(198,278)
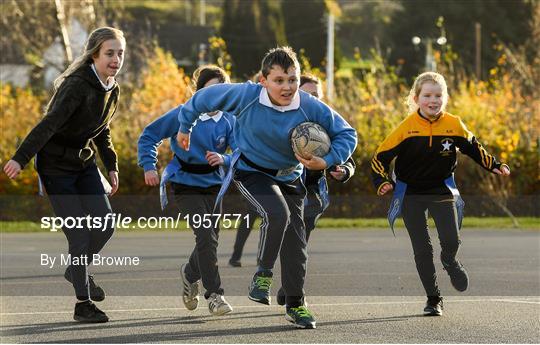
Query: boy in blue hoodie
(266,170)
(195,179)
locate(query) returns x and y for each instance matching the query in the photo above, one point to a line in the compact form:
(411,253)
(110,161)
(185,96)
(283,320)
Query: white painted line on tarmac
(517,301)
(178,278)
(128,310)
(267,307)
(422,301)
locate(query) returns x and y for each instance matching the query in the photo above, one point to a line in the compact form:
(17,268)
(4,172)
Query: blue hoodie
(209,134)
(262,130)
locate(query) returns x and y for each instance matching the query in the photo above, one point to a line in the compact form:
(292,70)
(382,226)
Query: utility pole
(202,13)
(330,58)
(478,50)
(203,52)
(188,11)
(431,65)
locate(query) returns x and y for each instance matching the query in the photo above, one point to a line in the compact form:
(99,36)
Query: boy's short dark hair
(309,78)
(284,57)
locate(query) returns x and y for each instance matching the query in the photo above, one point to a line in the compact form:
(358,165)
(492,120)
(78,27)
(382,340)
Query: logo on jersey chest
(446,145)
(221,141)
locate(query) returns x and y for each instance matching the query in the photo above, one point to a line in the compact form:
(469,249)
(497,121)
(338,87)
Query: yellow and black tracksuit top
(426,153)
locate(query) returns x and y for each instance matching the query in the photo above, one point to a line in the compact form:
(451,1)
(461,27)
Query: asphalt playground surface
(362,287)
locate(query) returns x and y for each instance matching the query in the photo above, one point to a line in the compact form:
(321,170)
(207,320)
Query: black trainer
(96,292)
(88,312)
(434,306)
(301,317)
(280,298)
(458,275)
(235,263)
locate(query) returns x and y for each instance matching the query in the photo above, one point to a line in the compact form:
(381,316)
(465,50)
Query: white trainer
(217,305)
(190,294)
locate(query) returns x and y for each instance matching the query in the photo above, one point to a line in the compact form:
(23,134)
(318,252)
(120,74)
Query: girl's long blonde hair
(431,77)
(91,48)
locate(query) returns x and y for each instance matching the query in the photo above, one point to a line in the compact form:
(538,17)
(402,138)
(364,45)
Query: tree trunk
(61,15)
(502,205)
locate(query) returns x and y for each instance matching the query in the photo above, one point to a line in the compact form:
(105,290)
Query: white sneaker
(217,305)
(190,294)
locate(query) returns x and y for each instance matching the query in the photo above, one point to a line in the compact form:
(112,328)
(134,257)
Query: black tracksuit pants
(281,207)
(203,262)
(443,210)
(77,195)
(312,212)
(242,234)
(313,209)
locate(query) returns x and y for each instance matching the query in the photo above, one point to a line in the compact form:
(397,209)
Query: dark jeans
(79,195)
(443,210)
(203,261)
(281,207)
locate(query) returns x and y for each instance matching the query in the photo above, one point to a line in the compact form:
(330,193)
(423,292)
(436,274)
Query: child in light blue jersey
(317,199)
(195,179)
(267,172)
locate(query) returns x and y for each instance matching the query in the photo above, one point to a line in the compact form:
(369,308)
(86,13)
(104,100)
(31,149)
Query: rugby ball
(310,138)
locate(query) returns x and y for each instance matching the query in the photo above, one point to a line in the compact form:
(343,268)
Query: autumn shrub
(503,112)
(20,110)
(162,87)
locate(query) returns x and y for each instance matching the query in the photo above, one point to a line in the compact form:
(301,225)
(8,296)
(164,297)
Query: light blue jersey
(262,130)
(209,134)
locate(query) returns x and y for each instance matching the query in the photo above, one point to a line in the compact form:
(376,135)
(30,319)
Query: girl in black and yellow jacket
(77,119)
(425,146)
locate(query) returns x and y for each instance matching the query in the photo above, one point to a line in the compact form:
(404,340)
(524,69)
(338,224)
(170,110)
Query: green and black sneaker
(301,317)
(259,290)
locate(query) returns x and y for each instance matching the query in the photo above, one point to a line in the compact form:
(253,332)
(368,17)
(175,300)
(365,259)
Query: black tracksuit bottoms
(312,211)
(244,229)
(78,195)
(203,263)
(281,207)
(443,210)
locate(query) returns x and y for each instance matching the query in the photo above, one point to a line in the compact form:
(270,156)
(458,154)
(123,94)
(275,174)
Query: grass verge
(502,223)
